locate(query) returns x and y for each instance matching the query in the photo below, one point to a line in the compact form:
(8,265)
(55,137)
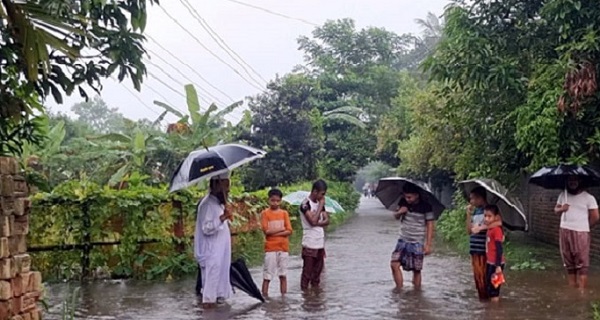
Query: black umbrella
(513,214)
(555,177)
(239,277)
(210,162)
(389,192)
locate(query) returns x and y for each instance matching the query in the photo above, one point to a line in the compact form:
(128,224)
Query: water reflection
(357,284)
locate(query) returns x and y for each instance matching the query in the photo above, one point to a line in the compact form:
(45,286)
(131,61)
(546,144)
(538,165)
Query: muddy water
(357,284)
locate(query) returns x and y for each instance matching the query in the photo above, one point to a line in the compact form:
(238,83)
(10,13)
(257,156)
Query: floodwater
(356,283)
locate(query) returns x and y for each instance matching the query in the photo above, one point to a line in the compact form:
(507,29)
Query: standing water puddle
(356,284)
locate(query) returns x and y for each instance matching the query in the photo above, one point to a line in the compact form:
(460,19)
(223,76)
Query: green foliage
(76,212)
(596,311)
(99,117)
(41,56)
(282,126)
(199,129)
(505,95)
(452,225)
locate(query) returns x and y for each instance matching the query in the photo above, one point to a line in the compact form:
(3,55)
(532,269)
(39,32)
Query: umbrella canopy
(241,278)
(206,163)
(555,177)
(389,192)
(511,208)
(296,198)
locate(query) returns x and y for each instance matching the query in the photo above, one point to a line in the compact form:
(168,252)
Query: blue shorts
(409,254)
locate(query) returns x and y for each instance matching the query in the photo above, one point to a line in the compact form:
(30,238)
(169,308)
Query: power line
(190,68)
(221,43)
(166,84)
(275,13)
(213,97)
(207,49)
(161,69)
(138,98)
(172,89)
(173,79)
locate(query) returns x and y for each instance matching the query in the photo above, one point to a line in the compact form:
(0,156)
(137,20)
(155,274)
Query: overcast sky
(266,41)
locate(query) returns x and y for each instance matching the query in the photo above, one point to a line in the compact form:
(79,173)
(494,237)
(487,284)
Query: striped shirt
(414,222)
(477,241)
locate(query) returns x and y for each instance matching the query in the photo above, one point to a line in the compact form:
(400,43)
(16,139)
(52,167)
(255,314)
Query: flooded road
(357,284)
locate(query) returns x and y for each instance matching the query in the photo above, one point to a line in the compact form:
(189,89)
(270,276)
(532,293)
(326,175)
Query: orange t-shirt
(276,220)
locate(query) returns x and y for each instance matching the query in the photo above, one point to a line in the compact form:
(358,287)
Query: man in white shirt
(212,243)
(314,219)
(579,211)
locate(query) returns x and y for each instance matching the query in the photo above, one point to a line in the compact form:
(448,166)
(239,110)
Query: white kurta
(212,249)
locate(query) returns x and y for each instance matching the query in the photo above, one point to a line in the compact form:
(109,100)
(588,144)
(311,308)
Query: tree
(282,125)
(517,80)
(42,44)
(99,116)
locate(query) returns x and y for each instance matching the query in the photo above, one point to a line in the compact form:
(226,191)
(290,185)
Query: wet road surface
(356,283)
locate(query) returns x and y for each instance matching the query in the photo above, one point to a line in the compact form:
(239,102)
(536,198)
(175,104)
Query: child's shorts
(276,263)
(489,272)
(409,254)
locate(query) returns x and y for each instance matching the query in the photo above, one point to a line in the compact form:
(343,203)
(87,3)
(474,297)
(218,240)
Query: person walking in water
(212,243)
(416,236)
(277,227)
(579,211)
(313,218)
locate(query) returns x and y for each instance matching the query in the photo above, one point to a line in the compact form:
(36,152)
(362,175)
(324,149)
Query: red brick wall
(544,223)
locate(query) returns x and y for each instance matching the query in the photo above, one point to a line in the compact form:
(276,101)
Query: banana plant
(201,128)
(132,150)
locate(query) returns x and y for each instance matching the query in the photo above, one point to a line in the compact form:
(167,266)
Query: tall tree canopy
(515,87)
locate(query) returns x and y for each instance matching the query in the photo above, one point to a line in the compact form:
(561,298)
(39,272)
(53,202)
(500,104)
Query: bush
(78,211)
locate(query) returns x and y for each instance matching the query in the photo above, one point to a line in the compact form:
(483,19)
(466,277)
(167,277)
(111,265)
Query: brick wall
(544,223)
(20,288)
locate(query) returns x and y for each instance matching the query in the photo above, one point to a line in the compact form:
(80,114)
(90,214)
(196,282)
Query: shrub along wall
(79,215)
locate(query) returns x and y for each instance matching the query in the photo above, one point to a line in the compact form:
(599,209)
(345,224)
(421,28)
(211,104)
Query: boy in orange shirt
(276,225)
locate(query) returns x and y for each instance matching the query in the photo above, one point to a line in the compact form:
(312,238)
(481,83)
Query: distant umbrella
(511,209)
(213,161)
(555,177)
(389,192)
(296,198)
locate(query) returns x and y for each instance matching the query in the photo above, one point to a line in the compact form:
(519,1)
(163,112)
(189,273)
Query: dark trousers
(314,261)
(199,282)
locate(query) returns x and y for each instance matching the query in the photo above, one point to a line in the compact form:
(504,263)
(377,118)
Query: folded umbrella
(241,278)
(296,198)
(555,177)
(389,192)
(213,161)
(511,208)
